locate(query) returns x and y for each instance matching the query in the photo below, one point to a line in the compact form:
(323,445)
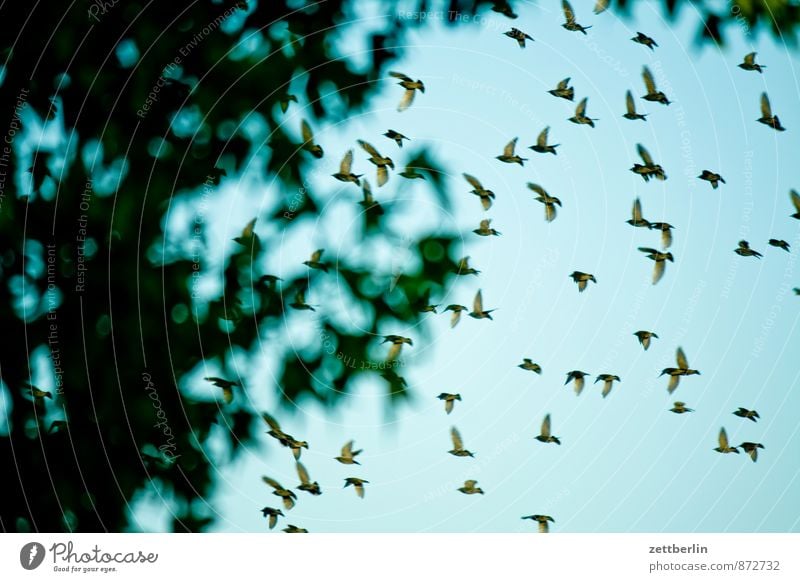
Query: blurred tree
(99,304)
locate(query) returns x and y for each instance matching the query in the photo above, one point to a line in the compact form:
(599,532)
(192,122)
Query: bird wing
(582,285)
(647,250)
(546,426)
(382,176)
(366,190)
(579,384)
(271,422)
(455,318)
(538,189)
(405,102)
(549,212)
(308,135)
(359,490)
(601,6)
(485,224)
(673,383)
(637,210)
(317,255)
(347,163)
(649,82)
(766,110)
(630,105)
(369,148)
(569,14)
(541,141)
(271,482)
(303,474)
(658,271)
(477,304)
(394,352)
(473,181)
(644,154)
(680,357)
(458,444)
(607,384)
(470,483)
(563,84)
(749,58)
(448,406)
(509,149)
(273,519)
(645,342)
(402,76)
(543,527)
(300,297)
(666,238)
(347,449)
(723,439)
(463,263)
(580,110)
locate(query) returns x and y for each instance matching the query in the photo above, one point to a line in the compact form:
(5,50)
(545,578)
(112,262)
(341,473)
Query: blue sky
(626,463)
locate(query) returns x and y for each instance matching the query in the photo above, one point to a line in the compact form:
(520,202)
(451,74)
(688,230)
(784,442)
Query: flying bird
(300,302)
(305,481)
(396,136)
(582,279)
(411,173)
(226,385)
(569,15)
(711,177)
(368,203)
(545,435)
(519,36)
(676,373)
(285,439)
(530,365)
(348,455)
(509,157)
(449,400)
(542,146)
(648,169)
(608,382)
(767,118)
(469,487)
(456,317)
(284,101)
(485,195)
(744,250)
(749,63)
(680,408)
(636,216)
(315,261)
(660,260)
(781,244)
(645,40)
(308,140)
(485,230)
(411,88)
(345,173)
(294,529)
(397,342)
(288,497)
(383,163)
(248,237)
(458,449)
(272,514)
(358,485)
(724,447)
(748,414)
(549,202)
(463,268)
(38,393)
(577,377)
(630,109)
(580,114)
(653,94)
(563,90)
(751,449)
(645,337)
(542,521)
(478,312)
(666,232)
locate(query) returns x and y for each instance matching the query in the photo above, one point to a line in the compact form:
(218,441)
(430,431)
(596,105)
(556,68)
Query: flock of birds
(647,169)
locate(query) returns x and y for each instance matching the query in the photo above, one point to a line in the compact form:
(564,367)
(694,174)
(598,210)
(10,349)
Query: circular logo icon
(31,555)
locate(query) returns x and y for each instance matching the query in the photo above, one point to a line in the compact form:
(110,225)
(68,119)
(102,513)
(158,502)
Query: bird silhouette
(383,163)
(653,94)
(648,169)
(287,496)
(478,312)
(358,485)
(449,400)
(397,342)
(608,382)
(294,529)
(529,365)
(485,229)
(305,481)
(462,267)
(469,487)
(411,173)
(751,449)
(345,173)
(744,250)
(660,260)
(315,262)
(569,16)
(577,377)
(580,114)
(397,137)
(458,449)
(563,90)
(456,316)
(645,337)
(284,101)
(308,140)
(630,109)
(248,238)
(636,216)
(348,455)
(485,195)
(272,514)
(645,40)
(711,177)
(549,202)
(676,373)
(285,439)
(767,118)
(748,414)
(519,36)
(781,244)
(666,233)
(226,386)
(724,447)
(542,146)
(545,435)
(542,521)
(300,302)
(749,63)
(582,279)
(509,157)
(680,408)
(411,88)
